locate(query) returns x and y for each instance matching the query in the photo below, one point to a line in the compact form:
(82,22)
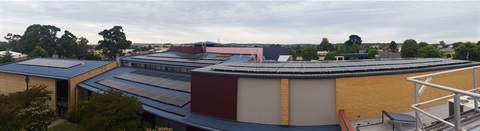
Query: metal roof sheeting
(52,72)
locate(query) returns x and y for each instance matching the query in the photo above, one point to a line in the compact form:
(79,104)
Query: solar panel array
(186,58)
(158,79)
(332,67)
(167,98)
(50,63)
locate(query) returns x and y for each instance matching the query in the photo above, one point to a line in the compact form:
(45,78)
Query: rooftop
(315,69)
(52,68)
(174,58)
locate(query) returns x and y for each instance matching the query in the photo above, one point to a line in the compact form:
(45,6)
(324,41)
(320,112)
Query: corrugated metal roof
(52,72)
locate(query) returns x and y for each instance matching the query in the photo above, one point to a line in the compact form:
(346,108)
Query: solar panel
(163,80)
(167,98)
(333,67)
(50,63)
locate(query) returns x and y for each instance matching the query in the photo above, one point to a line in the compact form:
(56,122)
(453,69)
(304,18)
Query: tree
(91,56)
(66,45)
(330,56)
(341,49)
(371,53)
(456,44)
(428,52)
(44,36)
(7,57)
(113,41)
(113,110)
(28,110)
(293,53)
(478,43)
(298,49)
(442,43)
(12,40)
(354,49)
(393,46)
(467,51)
(326,46)
(409,49)
(353,40)
(422,44)
(309,53)
(81,48)
(38,52)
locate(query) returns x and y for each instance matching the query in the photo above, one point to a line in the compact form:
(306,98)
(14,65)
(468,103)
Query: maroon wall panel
(188,50)
(214,96)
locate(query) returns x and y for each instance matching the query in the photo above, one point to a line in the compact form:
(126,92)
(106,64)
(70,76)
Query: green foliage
(341,49)
(293,53)
(91,56)
(422,44)
(467,51)
(298,49)
(354,49)
(478,43)
(110,111)
(456,44)
(12,40)
(7,57)
(38,52)
(371,53)
(81,48)
(309,53)
(28,110)
(330,56)
(113,41)
(44,36)
(325,45)
(393,46)
(428,52)
(409,49)
(353,40)
(66,45)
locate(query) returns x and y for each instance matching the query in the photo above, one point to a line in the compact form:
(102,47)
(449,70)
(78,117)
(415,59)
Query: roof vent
(84,64)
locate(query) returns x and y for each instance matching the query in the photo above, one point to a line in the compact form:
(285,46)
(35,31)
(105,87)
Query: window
(184,70)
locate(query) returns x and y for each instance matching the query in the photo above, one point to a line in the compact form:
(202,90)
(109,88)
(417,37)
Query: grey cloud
(265,22)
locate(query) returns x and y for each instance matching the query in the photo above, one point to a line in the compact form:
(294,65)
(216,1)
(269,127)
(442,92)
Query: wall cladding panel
(214,96)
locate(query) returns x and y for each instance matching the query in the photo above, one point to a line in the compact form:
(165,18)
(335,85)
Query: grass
(65,126)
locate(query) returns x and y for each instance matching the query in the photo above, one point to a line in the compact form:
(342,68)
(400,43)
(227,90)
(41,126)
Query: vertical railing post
(456,112)
(475,86)
(417,117)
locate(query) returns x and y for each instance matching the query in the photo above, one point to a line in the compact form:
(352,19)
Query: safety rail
(344,122)
(456,95)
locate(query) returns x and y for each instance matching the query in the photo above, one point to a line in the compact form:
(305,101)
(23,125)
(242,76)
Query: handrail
(345,122)
(456,94)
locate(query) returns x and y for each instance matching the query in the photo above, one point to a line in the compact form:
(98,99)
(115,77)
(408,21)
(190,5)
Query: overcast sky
(284,22)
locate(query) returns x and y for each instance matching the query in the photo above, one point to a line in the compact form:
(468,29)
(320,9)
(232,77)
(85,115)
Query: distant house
(16,55)
(447,52)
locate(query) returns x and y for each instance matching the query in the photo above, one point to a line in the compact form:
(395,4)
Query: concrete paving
(56,122)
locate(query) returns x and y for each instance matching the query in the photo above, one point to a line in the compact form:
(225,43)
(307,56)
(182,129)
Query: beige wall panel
(369,95)
(73,97)
(312,102)
(10,83)
(258,100)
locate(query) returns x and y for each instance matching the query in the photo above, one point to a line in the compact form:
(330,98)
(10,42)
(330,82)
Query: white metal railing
(456,95)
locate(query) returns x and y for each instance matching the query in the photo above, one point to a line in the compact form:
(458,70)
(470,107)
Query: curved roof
(309,69)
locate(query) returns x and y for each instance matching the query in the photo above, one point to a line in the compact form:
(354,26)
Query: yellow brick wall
(284,101)
(75,93)
(13,83)
(369,95)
